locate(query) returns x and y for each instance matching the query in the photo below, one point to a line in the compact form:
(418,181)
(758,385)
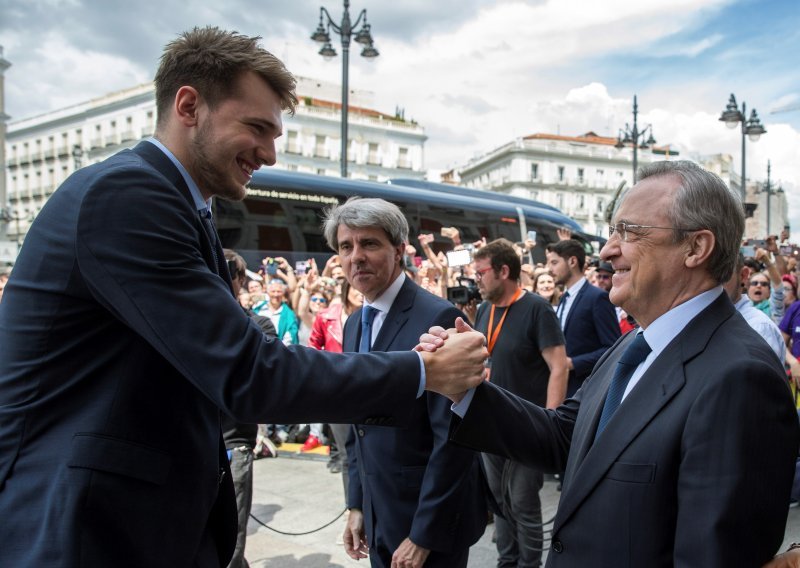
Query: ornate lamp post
(751,128)
(632,135)
(346,30)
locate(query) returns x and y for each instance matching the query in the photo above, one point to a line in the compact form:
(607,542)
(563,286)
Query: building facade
(42,151)
(577,174)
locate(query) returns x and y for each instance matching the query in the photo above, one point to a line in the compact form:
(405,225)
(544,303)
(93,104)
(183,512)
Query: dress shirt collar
(575,288)
(383,303)
(661,332)
(202,205)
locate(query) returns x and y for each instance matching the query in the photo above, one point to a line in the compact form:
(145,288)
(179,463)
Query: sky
(474,73)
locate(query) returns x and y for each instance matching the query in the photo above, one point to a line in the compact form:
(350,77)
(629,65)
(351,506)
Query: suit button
(361,432)
(557,546)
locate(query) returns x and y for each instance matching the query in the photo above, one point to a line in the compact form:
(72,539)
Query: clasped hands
(454,359)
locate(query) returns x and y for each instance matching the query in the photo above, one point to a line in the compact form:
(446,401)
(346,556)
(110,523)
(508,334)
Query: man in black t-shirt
(528,358)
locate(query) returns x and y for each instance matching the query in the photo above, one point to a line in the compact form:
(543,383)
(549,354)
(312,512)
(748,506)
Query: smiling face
(545,285)
(235,138)
(370,261)
(649,270)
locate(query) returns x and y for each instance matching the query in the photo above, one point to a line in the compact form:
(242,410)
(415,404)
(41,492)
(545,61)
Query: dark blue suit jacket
(121,342)
(693,470)
(410,482)
(591,328)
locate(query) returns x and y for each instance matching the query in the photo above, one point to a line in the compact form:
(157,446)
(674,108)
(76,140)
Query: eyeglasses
(319,300)
(759,283)
(601,276)
(622,229)
(479,273)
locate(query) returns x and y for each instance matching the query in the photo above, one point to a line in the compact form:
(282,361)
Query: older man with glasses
(680,448)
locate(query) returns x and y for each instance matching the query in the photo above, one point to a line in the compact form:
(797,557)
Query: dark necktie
(634,354)
(562,303)
(208,225)
(367,315)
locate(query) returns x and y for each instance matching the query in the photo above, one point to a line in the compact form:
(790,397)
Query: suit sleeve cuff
(422,381)
(460,408)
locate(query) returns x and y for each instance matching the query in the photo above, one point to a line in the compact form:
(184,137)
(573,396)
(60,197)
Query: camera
(464,293)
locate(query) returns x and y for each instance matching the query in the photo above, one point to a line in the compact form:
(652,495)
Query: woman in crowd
(545,286)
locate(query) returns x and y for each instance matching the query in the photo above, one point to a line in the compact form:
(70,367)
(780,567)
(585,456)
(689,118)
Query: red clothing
(326,331)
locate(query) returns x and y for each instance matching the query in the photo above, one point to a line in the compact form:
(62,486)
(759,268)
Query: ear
(745,273)
(699,247)
(504,272)
(187,103)
(399,252)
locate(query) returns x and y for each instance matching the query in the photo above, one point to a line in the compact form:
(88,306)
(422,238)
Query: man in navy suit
(122,341)
(588,319)
(413,498)
(680,448)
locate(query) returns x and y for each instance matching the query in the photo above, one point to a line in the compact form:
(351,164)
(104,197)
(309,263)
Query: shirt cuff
(422,381)
(460,408)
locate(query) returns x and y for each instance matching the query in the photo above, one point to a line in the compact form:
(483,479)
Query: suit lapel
(397,317)
(352,332)
(575,303)
(161,163)
(589,462)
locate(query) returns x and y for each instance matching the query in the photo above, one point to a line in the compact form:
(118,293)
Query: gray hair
(703,201)
(360,213)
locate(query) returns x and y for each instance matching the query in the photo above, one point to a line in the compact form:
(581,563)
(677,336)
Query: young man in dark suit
(122,341)
(414,499)
(680,448)
(588,319)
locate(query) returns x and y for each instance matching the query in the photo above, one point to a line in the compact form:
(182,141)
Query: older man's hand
(454,359)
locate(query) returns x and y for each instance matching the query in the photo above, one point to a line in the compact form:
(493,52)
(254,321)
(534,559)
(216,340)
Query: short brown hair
(500,252)
(211,60)
(567,249)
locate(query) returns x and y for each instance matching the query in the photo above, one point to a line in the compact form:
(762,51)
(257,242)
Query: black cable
(326,525)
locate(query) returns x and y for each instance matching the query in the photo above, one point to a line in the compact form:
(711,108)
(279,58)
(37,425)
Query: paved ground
(299,494)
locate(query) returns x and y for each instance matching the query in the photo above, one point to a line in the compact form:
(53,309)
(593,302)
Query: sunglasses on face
(759,283)
(319,300)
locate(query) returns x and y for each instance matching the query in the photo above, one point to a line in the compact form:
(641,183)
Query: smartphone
(300,267)
(417,261)
(760,243)
(532,236)
(786,250)
(748,250)
(271,267)
(457,258)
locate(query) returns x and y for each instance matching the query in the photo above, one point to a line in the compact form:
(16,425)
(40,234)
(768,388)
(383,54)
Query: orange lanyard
(492,336)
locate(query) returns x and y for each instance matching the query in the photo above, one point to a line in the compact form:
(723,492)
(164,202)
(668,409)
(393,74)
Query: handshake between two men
(454,359)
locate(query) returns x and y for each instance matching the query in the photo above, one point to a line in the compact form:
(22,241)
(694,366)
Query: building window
(580,175)
(560,173)
(581,202)
(319,147)
(560,201)
(373,159)
(402,160)
(292,142)
(534,172)
(600,205)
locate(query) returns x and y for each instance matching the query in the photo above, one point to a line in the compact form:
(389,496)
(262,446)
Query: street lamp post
(631,136)
(346,30)
(751,128)
(770,192)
